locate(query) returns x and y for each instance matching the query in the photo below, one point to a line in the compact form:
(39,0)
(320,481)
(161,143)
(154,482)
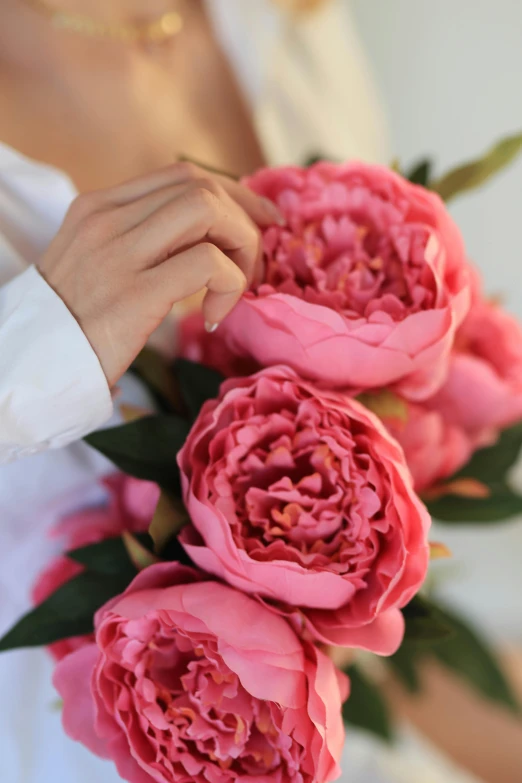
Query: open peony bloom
(300,495)
(130,506)
(365,286)
(194,681)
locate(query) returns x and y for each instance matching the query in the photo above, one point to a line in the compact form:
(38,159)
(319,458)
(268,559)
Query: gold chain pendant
(157,31)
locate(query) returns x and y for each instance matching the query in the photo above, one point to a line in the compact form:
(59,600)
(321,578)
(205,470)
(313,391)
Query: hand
(124,256)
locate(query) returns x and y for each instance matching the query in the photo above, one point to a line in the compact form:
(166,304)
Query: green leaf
(197,383)
(424,621)
(464,652)
(490,466)
(67,612)
(169,517)
(109,557)
(405,665)
(366,708)
(317,157)
(492,463)
(174,552)
(141,556)
(501,505)
(157,374)
(467,654)
(146,448)
(385,404)
(420,174)
(472,175)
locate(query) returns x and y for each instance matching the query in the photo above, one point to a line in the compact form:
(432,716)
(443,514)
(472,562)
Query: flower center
(297,487)
(193,710)
(358,262)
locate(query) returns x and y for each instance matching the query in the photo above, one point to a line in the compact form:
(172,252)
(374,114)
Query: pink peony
(434,448)
(481,396)
(194,681)
(301,496)
(483,392)
(209,349)
(130,507)
(365,286)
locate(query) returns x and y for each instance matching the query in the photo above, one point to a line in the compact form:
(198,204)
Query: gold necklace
(156,31)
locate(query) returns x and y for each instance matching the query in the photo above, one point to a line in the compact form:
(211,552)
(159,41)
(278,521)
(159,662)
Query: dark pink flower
(301,496)
(365,286)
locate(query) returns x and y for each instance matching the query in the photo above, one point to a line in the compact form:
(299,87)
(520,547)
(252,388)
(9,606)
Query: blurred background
(450,78)
(449,75)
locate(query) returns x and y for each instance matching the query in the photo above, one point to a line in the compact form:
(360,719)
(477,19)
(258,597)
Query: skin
(125,255)
(106,113)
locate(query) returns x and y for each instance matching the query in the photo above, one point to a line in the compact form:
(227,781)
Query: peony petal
(72,679)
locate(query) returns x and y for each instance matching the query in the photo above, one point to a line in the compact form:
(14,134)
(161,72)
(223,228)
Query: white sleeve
(53,390)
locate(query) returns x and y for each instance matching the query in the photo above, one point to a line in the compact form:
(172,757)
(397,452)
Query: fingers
(182,216)
(183,275)
(262,211)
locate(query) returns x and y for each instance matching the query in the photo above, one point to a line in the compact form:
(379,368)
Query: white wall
(450,72)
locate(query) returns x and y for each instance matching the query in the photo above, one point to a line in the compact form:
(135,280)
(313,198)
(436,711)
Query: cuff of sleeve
(53,390)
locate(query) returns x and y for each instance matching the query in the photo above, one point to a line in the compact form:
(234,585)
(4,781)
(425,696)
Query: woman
(93,94)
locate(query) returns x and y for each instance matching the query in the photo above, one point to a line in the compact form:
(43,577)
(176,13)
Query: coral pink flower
(365,286)
(301,496)
(194,681)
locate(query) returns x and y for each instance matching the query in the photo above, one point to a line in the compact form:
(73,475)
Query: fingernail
(274,212)
(210,327)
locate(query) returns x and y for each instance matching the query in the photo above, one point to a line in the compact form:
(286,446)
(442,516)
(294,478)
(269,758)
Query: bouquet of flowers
(277,502)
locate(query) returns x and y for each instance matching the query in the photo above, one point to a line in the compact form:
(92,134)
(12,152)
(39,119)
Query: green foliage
(366,707)
(146,448)
(425,622)
(476,173)
(420,174)
(463,651)
(197,384)
(491,467)
(70,610)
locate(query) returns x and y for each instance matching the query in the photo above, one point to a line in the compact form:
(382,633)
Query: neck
(115,11)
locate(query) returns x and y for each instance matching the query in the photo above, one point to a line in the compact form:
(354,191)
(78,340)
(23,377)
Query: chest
(116,114)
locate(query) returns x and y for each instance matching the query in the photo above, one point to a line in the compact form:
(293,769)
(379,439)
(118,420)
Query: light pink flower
(301,496)
(130,507)
(365,286)
(483,392)
(481,396)
(434,448)
(194,681)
